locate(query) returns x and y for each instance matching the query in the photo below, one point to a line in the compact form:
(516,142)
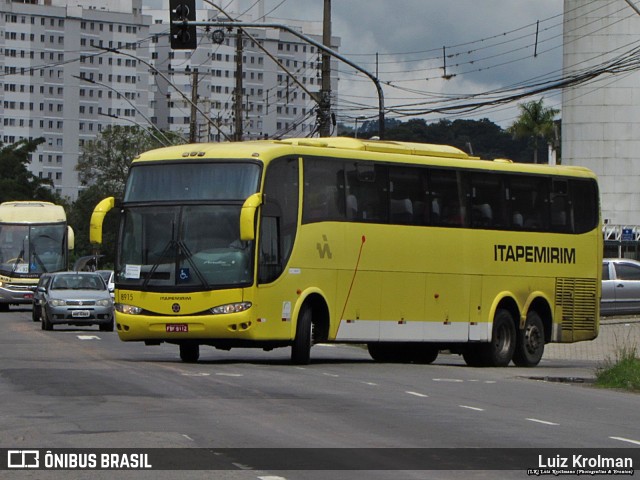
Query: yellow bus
(34,239)
(408,248)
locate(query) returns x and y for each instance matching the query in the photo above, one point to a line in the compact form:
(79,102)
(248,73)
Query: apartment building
(69,69)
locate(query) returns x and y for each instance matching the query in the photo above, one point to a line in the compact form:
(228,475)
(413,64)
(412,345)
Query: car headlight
(56,302)
(103,303)
(129,309)
(231,308)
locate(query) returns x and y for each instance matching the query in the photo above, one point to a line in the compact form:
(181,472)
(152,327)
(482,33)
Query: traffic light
(183,37)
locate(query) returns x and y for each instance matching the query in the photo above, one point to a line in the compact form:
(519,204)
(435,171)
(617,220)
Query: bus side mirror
(248,217)
(97,217)
(71,238)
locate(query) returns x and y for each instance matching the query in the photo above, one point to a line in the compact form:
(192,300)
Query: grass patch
(621,372)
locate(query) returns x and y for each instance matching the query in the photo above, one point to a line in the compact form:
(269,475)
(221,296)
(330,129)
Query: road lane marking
(222,374)
(330,375)
(88,337)
(370,384)
(544,422)
(472,408)
(417,394)
(453,380)
(628,440)
(195,374)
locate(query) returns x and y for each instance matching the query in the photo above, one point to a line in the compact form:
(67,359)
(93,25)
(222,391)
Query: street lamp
(361,117)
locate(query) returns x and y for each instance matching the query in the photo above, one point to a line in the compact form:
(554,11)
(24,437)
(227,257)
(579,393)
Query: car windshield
(77,282)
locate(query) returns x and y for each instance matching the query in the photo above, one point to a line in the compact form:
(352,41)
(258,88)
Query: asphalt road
(80,388)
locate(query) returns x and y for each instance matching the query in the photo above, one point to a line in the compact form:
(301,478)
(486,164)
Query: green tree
(102,167)
(105,161)
(535,123)
(16,181)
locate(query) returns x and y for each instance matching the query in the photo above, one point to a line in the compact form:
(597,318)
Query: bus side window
(561,218)
(324,198)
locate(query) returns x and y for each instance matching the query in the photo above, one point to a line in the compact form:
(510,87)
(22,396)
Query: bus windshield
(32,248)
(192,246)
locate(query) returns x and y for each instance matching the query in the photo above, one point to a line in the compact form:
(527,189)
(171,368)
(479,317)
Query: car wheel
(46,324)
(107,327)
(35,314)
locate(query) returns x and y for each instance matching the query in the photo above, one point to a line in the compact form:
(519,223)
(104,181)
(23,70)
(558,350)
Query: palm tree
(535,122)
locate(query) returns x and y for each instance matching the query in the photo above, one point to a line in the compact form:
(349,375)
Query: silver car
(620,287)
(75,298)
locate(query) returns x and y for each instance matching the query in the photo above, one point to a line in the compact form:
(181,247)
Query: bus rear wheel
(530,342)
(189,352)
(301,347)
(499,351)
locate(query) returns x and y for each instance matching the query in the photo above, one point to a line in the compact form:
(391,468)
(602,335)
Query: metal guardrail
(621,233)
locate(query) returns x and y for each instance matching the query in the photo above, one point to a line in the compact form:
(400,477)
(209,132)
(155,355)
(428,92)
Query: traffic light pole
(324,48)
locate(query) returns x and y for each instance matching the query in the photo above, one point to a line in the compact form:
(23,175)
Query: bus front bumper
(237,326)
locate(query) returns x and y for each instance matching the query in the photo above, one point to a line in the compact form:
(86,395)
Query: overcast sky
(489,44)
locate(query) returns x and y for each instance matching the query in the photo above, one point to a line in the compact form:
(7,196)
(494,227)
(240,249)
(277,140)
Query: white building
(59,82)
(601,118)
(274,103)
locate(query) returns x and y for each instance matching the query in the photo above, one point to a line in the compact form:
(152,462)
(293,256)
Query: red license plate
(177,328)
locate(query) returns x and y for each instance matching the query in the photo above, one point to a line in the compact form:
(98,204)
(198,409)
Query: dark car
(620,287)
(38,296)
(73,298)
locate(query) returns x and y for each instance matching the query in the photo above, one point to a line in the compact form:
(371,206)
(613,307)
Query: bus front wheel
(530,342)
(189,352)
(301,347)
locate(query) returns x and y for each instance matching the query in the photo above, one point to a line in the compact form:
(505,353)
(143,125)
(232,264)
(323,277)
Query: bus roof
(31,212)
(365,149)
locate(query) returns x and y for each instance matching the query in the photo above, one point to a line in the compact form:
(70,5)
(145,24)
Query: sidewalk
(616,333)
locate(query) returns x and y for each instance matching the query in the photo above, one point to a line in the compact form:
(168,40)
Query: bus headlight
(128,309)
(231,308)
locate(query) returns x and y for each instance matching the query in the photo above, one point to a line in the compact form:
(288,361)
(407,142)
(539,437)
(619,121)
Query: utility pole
(324,104)
(238,97)
(193,123)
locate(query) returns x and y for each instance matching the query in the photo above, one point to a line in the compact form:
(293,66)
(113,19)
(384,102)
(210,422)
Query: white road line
(544,422)
(370,384)
(195,374)
(222,374)
(417,394)
(453,380)
(88,337)
(330,374)
(472,408)
(187,437)
(271,477)
(628,440)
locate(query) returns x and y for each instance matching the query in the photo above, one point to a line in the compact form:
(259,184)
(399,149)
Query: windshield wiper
(164,254)
(188,256)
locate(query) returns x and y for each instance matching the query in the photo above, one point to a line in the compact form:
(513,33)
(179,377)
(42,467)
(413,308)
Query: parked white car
(620,287)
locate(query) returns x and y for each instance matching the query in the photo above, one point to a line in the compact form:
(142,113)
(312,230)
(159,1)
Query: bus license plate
(80,313)
(177,328)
